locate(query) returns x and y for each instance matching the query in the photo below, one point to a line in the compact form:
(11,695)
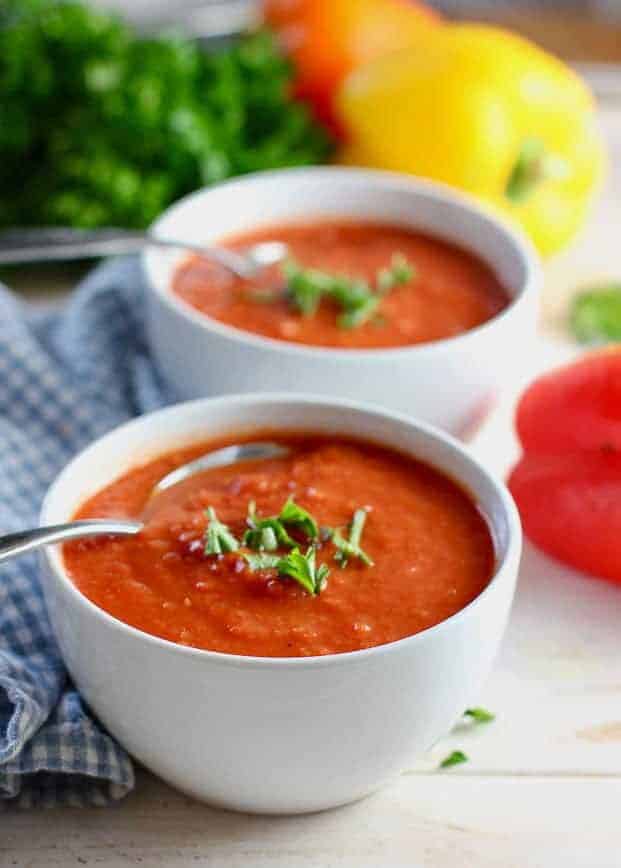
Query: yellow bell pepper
(485,111)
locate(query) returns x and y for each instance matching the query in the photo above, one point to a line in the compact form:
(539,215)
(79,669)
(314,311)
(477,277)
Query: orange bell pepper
(327,39)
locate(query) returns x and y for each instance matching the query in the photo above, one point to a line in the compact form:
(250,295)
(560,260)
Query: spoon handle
(57,244)
(62,244)
(19,543)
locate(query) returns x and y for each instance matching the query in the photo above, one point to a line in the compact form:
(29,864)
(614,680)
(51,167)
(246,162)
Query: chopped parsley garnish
(294,565)
(292,514)
(270,533)
(360,313)
(262,561)
(399,271)
(347,292)
(479,715)
(218,538)
(476,715)
(350,548)
(358,301)
(304,570)
(266,535)
(454,759)
(305,287)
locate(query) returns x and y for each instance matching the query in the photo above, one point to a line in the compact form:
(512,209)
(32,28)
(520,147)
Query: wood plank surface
(421,821)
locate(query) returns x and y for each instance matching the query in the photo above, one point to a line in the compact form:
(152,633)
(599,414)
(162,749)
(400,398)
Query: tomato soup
(428,551)
(448,290)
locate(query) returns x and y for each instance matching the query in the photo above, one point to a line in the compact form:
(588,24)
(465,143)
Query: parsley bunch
(101,127)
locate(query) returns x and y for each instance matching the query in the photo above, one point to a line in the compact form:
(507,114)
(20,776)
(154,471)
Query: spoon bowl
(14,544)
(219,458)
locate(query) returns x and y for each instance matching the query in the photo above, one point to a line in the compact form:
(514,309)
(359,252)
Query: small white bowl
(277,735)
(449,383)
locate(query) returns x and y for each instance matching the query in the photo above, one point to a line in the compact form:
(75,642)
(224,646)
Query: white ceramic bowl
(277,735)
(449,383)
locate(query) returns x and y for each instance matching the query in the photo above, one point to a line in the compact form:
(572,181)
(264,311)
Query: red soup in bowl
(337,546)
(349,285)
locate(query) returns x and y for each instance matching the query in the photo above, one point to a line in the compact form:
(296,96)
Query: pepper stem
(533,165)
(527,171)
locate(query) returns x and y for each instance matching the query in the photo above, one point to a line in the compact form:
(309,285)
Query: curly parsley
(104,127)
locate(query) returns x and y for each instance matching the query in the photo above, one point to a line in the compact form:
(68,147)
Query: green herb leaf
(346,550)
(294,565)
(398,272)
(350,548)
(479,715)
(305,287)
(218,538)
(303,569)
(321,577)
(262,561)
(359,314)
(270,533)
(596,315)
(265,534)
(348,293)
(292,514)
(454,759)
(269,540)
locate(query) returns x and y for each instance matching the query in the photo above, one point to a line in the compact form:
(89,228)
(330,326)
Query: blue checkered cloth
(65,379)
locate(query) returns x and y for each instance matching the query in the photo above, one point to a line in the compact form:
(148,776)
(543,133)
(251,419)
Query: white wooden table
(543,785)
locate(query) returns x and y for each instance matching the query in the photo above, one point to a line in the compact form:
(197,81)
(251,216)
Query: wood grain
(435,821)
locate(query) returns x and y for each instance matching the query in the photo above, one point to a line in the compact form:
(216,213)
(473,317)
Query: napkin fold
(66,377)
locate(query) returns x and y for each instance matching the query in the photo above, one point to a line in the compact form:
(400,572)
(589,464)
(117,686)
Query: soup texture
(392,545)
(442,292)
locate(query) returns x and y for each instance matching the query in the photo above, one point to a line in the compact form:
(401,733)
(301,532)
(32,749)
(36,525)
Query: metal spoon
(18,246)
(24,541)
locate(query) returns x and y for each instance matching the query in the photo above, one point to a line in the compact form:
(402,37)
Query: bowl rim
(390,181)
(52,554)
